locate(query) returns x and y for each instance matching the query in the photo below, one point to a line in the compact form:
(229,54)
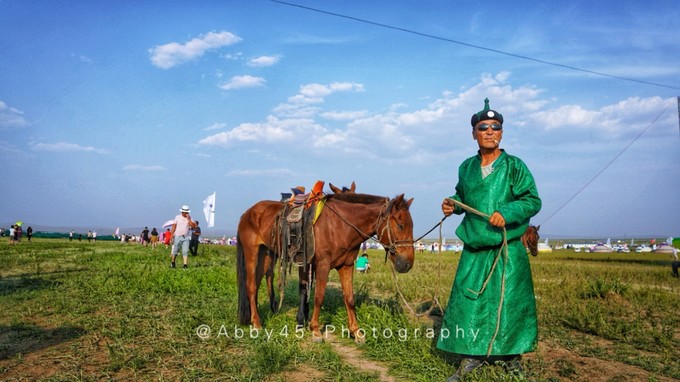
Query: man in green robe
(491,313)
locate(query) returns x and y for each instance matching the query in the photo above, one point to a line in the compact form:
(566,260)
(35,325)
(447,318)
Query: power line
(473,45)
(606,167)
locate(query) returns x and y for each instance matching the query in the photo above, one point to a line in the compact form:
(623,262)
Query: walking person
(195,235)
(491,313)
(11,234)
(167,236)
(145,236)
(18,233)
(181,236)
(154,238)
(29,233)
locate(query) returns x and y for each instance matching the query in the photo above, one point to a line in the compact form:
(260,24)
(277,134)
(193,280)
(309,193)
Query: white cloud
(298,105)
(402,133)
(272,130)
(630,114)
(343,115)
(11,117)
(319,91)
(263,61)
(9,148)
(568,115)
(215,126)
(239,82)
(169,55)
(139,167)
(66,147)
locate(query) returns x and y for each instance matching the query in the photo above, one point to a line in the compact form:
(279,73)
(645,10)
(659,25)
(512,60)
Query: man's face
(488,134)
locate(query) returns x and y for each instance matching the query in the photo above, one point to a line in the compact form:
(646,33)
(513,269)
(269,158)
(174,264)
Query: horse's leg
(254,277)
(346,280)
(303,289)
(322,271)
(270,263)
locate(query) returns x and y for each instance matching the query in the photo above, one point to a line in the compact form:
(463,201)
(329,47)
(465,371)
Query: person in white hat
(181,235)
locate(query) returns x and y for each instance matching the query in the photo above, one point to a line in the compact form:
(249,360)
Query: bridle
(384,217)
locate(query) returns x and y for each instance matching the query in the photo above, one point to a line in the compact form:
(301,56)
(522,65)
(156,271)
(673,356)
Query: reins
(392,245)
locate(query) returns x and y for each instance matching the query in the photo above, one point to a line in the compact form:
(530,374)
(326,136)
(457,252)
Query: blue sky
(117,113)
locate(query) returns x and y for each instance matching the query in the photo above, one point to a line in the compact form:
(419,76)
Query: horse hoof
(317,338)
(359,339)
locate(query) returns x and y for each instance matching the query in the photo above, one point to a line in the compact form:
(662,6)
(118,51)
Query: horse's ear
(538,227)
(334,189)
(408,203)
(353,187)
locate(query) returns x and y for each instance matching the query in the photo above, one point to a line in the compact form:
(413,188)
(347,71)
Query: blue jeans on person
(183,242)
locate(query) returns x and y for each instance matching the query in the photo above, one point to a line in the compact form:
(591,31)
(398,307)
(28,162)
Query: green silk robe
(471,319)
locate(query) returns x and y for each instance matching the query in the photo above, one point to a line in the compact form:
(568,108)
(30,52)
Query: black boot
(467,365)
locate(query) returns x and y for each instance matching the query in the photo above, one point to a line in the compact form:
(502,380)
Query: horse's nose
(403,265)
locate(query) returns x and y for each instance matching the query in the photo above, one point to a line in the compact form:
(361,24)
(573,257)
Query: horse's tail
(243,301)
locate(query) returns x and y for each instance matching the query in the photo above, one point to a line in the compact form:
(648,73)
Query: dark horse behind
(530,239)
(346,221)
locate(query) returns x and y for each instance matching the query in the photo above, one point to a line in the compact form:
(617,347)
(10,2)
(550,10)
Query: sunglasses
(493,126)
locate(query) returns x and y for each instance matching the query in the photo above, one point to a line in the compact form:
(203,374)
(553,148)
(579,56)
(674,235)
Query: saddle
(296,225)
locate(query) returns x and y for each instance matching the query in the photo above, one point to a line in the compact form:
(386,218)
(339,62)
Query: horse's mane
(357,198)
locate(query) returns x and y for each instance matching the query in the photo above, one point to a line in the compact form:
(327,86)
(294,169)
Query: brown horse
(530,239)
(266,259)
(347,221)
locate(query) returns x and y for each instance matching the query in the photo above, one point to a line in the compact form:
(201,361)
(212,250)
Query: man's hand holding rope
(496,219)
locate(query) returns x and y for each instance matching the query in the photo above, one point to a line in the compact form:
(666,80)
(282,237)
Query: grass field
(106,311)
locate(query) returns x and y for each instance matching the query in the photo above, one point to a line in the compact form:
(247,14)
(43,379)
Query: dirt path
(352,356)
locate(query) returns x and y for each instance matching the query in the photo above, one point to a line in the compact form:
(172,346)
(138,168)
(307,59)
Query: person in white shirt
(181,235)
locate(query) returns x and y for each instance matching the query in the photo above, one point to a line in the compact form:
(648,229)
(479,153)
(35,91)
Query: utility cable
(607,166)
(473,45)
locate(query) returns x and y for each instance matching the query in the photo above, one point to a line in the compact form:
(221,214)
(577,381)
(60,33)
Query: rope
(503,249)
(277,237)
(432,229)
(435,300)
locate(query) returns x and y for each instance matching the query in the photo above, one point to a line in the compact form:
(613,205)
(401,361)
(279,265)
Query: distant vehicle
(664,248)
(544,247)
(601,248)
(621,248)
(577,249)
(643,249)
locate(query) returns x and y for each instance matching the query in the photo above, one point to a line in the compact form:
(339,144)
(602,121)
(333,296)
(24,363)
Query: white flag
(117,231)
(209,210)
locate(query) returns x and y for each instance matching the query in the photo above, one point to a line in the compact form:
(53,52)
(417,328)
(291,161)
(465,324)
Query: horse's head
(344,190)
(530,239)
(395,232)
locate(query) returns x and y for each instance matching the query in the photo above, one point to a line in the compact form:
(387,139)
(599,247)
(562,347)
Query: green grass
(85,311)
